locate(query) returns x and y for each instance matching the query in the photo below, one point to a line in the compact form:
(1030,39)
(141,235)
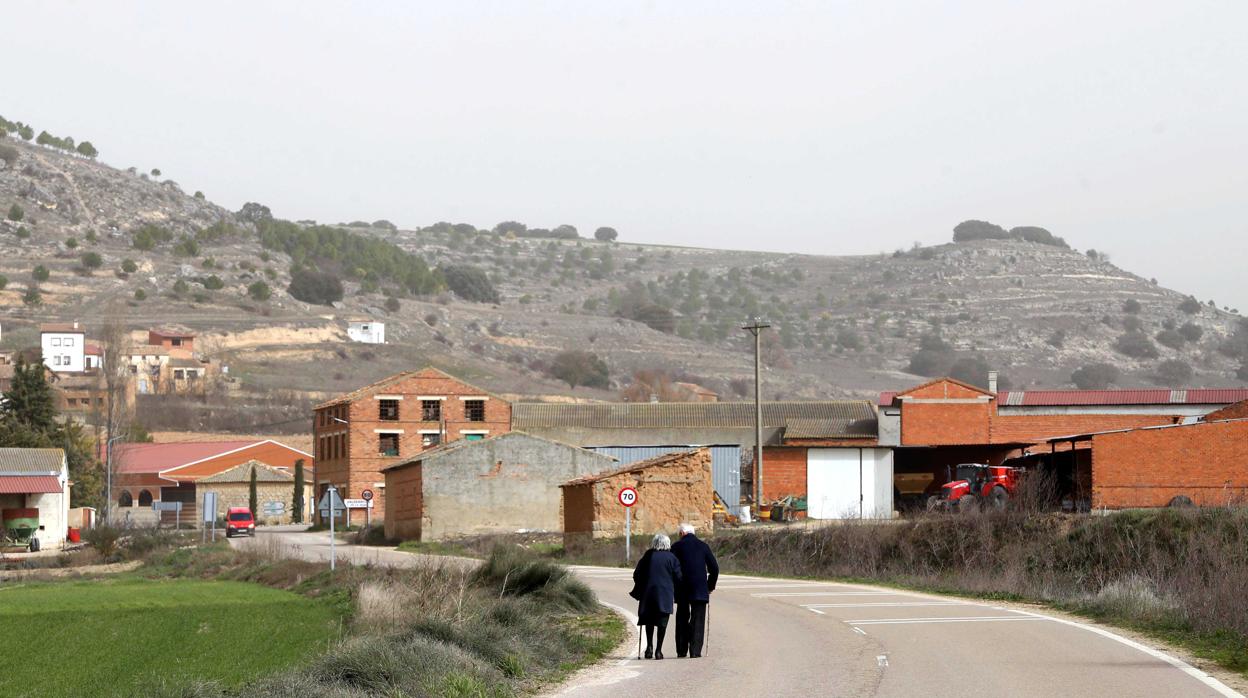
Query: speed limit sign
(628,496)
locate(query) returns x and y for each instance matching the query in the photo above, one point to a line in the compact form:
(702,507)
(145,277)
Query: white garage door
(833,483)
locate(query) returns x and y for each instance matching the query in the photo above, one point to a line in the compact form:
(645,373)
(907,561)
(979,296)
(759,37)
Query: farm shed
(503,484)
(37,478)
(671,488)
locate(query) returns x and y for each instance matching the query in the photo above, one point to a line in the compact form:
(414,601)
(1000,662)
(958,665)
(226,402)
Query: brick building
(359,434)
(275,491)
(671,489)
(503,484)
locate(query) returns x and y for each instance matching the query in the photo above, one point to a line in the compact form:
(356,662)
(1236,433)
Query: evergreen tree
(29,403)
(251,493)
(296,509)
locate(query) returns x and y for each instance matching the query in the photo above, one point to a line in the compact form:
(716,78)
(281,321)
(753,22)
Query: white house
(36,478)
(366,331)
(64,347)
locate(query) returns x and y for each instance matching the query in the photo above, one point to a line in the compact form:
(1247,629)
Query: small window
(56,341)
(69,341)
(179,374)
(474,437)
(145,498)
(431,410)
(388,445)
(125,500)
(388,410)
(430,440)
(134,370)
(474,410)
(175,342)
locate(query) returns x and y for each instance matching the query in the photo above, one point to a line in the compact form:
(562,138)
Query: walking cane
(706,650)
(639,642)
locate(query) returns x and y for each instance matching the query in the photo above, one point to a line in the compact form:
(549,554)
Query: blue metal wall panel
(725,466)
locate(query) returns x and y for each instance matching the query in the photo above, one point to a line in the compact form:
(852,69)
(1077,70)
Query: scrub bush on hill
(1095,376)
(469,283)
(1137,345)
(350,255)
(316,287)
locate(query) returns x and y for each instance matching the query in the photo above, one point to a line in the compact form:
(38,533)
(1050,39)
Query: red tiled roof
(94,349)
(887,397)
(168,333)
(62,327)
(29,484)
(1157,396)
(154,458)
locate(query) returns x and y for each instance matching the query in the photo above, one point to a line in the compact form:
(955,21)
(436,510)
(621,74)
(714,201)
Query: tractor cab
(970,483)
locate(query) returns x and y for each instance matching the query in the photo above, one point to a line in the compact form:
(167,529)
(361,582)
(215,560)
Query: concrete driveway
(782,637)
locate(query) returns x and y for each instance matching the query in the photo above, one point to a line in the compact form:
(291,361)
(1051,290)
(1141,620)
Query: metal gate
(725,466)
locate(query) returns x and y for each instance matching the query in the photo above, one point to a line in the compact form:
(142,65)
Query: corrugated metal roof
(800,428)
(1157,396)
(154,458)
(29,484)
(661,415)
(31,460)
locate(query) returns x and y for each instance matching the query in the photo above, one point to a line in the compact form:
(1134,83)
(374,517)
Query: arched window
(125,500)
(145,498)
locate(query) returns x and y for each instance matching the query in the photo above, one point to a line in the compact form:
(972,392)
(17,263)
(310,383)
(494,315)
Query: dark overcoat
(655,580)
(699,569)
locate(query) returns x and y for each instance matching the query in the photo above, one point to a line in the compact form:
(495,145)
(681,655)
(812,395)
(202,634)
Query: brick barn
(672,488)
(359,434)
(502,484)
(275,491)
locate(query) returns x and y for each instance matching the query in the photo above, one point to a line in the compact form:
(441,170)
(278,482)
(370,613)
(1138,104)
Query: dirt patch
(58,572)
(277,336)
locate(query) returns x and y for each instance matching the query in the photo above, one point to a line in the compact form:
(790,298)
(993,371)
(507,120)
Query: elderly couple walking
(680,575)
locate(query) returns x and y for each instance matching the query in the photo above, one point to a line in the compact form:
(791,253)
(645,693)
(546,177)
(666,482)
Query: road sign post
(210,515)
(628,497)
(367,496)
(331,503)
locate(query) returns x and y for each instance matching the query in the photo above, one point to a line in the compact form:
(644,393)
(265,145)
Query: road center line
(815,610)
(952,619)
(824,593)
(890,604)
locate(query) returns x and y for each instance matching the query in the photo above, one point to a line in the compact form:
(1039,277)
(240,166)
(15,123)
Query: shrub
(1131,306)
(1174,372)
(469,283)
(32,297)
(576,367)
(4,281)
(148,236)
(140,294)
(316,287)
(23,232)
(1137,345)
(259,291)
(1171,338)
(92,261)
(392,304)
(16,213)
(978,230)
(40,273)
(1095,376)
(1057,340)
(846,338)
(71,243)
(8,154)
(1036,234)
(1191,332)
(212,283)
(180,287)
(186,247)
(971,369)
(129,266)
(606,234)
(104,538)
(1190,305)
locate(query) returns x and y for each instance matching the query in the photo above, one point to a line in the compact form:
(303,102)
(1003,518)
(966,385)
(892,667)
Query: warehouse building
(36,480)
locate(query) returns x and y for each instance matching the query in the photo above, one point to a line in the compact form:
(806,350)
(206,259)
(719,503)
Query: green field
(126,637)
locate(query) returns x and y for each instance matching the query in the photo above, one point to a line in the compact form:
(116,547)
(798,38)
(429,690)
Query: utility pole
(756,327)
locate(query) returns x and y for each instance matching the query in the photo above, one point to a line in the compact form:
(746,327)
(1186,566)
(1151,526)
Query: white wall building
(37,478)
(849,483)
(366,331)
(64,347)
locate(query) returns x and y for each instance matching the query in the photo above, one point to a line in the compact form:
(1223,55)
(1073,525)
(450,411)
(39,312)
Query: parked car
(238,520)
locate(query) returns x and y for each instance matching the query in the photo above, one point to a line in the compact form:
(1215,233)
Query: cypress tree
(29,403)
(251,493)
(296,509)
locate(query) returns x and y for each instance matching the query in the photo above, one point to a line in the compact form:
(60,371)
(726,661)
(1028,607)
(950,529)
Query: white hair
(686,529)
(661,542)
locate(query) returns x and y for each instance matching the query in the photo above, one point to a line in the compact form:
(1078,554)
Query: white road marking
(771,586)
(823,593)
(951,619)
(882,660)
(815,610)
(889,604)
(1216,685)
(860,631)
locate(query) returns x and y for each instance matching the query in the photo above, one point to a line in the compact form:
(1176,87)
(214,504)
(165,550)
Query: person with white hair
(655,580)
(699,573)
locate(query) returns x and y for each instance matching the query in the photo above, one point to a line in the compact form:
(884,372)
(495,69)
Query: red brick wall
(784,472)
(406,512)
(1038,427)
(361,467)
(944,423)
(1146,468)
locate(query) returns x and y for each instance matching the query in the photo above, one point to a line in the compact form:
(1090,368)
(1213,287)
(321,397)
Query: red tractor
(973,484)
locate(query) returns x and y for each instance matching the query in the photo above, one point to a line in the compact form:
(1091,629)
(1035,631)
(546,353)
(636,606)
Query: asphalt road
(776,637)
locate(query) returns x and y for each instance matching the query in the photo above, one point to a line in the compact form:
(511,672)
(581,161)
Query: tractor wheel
(968,504)
(34,545)
(933,503)
(999,498)
(1181,501)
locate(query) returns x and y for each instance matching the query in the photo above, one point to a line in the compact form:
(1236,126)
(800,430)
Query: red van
(238,520)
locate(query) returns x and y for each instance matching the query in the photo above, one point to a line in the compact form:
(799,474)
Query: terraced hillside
(117,243)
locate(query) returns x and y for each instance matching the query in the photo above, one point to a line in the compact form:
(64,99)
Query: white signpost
(210,514)
(628,497)
(329,505)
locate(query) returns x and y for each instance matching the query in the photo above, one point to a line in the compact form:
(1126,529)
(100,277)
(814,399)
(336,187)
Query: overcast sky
(826,127)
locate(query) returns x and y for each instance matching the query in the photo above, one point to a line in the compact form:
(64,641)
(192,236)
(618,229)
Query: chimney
(75,324)
(992,382)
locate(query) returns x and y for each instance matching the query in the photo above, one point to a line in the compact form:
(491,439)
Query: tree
(1095,376)
(129,266)
(92,261)
(606,234)
(1174,372)
(212,283)
(16,213)
(155,171)
(316,287)
(1190,305)
(1191,332)
(971,369)
(296,506)
(40,273)
(32,297)
(85,149)
(978,230)
(1131,306)
(577,367)
(565,232)
(392,304)
(4,281)
(1032,233)
(510,228)
(253,212)
(469,283)
(1171,338)
(180,287)
(148,236)
(385,225)
(8,154)
(140,294)
(259,291)
(1137,345)
(252,497)
(656,317)
(29,402)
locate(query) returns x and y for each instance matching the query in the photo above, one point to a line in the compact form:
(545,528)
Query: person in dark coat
(655,580)
(700,572)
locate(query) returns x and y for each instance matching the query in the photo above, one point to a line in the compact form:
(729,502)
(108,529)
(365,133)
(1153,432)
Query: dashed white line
(860,631)
(886,604)
(815,610)
(952,619)
(822,593)
(882,660)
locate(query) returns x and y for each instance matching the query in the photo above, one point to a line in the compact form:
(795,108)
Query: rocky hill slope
(87,241)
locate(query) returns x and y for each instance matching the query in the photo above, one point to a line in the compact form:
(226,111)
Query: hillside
(843,326)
